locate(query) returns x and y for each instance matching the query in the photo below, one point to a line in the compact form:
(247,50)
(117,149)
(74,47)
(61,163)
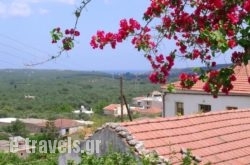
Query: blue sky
(25,38)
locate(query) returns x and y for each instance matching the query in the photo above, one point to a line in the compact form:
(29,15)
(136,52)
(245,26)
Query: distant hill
(59,92)
(129,75)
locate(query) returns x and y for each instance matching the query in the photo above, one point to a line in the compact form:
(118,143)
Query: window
(179,110)
(231,108)
(67,130)
(204,108)
(139,103)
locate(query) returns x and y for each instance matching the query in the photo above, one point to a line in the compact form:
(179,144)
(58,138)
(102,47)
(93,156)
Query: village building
(34,125)
(153,99)
(67,127)
(17,145)
(195,100)
(115,110)
(83,110)
(221,137)
(64,127)
(31,124)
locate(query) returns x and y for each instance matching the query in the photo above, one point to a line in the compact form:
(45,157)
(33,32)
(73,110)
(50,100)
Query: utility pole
(121,97)
(128,110)
(123,100)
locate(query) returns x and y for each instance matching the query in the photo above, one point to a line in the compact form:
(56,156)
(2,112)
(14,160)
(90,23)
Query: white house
(67,127)
(83,110)
(195,100)
(115,110)
(153,99)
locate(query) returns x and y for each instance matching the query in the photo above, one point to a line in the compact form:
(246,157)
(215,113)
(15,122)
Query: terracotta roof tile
(66,123)
(217,137)
(241,85)
(111,107)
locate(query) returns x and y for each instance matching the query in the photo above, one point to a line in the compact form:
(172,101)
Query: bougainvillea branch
(200,29)
(67,37)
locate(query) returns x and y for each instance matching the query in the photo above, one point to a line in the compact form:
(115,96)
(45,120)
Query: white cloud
(107,1)
(24,8)
(19,9)
(2,9)
(43,11)
(70,2)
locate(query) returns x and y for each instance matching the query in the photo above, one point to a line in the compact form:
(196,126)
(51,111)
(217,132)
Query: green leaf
(246,58)
(247,19)
(170,88)
(223,47)
(244,42)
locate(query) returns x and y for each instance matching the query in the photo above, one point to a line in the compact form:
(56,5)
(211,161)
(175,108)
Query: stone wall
(108,139)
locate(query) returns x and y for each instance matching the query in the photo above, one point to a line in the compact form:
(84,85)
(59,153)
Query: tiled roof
(217,137)
(111,107)
(66,123)
(241,85)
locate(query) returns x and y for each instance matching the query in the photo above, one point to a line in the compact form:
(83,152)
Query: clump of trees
(17,128)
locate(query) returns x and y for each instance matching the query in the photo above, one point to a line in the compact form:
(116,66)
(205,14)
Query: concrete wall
(157,104)
(108,112)
(109,141)
(119,111)
(33,128)
(4,124)
(75,129)
(148,103)
(62,132)
(191,102)
(72,130)
(22,153)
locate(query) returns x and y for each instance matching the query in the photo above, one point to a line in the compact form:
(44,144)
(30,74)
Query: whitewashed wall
(72,130)
(119,111)
(62,132)
(191,102)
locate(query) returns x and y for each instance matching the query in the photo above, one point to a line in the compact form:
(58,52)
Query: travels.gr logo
(53,146)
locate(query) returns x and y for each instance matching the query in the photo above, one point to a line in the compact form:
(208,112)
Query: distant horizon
(109,71)
(105,71)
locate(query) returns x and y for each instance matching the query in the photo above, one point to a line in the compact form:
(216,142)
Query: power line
(18,49)
(10,54)
(35,57)
(24,44)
